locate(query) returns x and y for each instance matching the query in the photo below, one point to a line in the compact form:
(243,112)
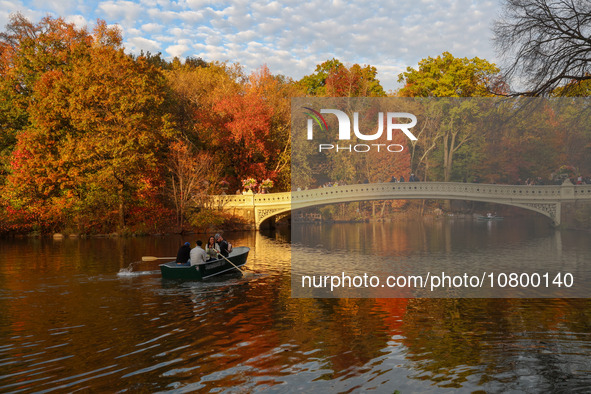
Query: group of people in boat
(216,246)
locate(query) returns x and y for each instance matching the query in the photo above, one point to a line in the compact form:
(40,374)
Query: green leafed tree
(450,77)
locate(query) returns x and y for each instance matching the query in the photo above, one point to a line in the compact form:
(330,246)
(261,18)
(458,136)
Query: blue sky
(290,37)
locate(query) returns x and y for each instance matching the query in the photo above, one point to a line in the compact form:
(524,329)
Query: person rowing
(224,247)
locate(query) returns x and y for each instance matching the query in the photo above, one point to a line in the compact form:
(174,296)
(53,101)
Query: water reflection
(68,322)
(454,247)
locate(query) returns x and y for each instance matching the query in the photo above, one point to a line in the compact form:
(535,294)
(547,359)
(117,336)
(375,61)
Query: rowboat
(490,217)
(237,256)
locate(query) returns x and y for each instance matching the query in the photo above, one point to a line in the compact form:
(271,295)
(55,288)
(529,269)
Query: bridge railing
(443,190)
(582,191)
(434,190)
(245,200)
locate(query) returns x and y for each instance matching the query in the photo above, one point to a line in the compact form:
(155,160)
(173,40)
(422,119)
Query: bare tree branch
(545,43)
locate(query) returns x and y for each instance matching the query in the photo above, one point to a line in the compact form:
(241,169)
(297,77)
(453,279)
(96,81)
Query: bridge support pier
(576,214)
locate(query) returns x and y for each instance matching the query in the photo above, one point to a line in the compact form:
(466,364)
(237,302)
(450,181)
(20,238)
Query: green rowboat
(172,270)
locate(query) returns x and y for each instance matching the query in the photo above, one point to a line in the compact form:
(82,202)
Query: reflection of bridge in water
(546,200)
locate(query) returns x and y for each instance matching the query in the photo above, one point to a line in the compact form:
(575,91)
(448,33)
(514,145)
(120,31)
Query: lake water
(72,319)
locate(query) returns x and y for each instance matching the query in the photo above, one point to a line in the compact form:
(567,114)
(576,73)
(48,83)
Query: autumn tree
(95,127)
(191,173)
(277,91)
(315,83)
(541,136)
(121,125)
(448,76)
(427,133)
(242,121)
(27,52)
(194,91)
(333,79)
(576,135)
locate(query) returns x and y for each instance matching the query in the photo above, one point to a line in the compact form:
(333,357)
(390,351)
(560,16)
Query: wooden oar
(152,258)
(235,266)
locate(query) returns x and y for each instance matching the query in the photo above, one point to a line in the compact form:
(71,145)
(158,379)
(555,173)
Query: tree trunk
(445,159)
(448,154)
(447,163)
(121,209)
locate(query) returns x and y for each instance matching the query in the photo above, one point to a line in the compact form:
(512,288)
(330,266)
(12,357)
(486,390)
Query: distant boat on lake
(490,216)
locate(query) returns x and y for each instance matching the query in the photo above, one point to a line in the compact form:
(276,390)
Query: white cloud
(140,43)
(213,40)
(152,27)
(78,20)
(178,50)
(130,31)
(9,7)
(291,36)
(160,16)
(191,16)
(125,12)
(163,38)
(59,7)
(198,4)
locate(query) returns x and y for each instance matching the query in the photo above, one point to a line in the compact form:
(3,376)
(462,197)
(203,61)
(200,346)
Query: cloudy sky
(290,37)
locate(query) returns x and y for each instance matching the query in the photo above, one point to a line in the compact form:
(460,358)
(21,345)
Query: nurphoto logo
(392,119)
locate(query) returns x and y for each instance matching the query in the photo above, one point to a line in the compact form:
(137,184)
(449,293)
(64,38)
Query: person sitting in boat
(198,255)
(184,254)
(212,248)
(223,245)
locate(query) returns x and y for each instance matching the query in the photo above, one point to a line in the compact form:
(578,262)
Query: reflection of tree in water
(341,335)
(255,332)
(259,333)
(354,337)
(504,341)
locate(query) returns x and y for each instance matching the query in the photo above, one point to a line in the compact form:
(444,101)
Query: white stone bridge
(546,200)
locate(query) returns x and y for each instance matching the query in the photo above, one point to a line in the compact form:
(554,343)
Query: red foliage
(243,137)
(246,121)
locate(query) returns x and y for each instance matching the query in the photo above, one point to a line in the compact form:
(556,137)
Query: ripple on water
(79,326)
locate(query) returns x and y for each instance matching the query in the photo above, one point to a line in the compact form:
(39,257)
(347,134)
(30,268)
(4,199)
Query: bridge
(546,200)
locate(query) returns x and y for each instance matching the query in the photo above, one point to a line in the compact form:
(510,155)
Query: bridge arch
(545,200)
(547,210)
